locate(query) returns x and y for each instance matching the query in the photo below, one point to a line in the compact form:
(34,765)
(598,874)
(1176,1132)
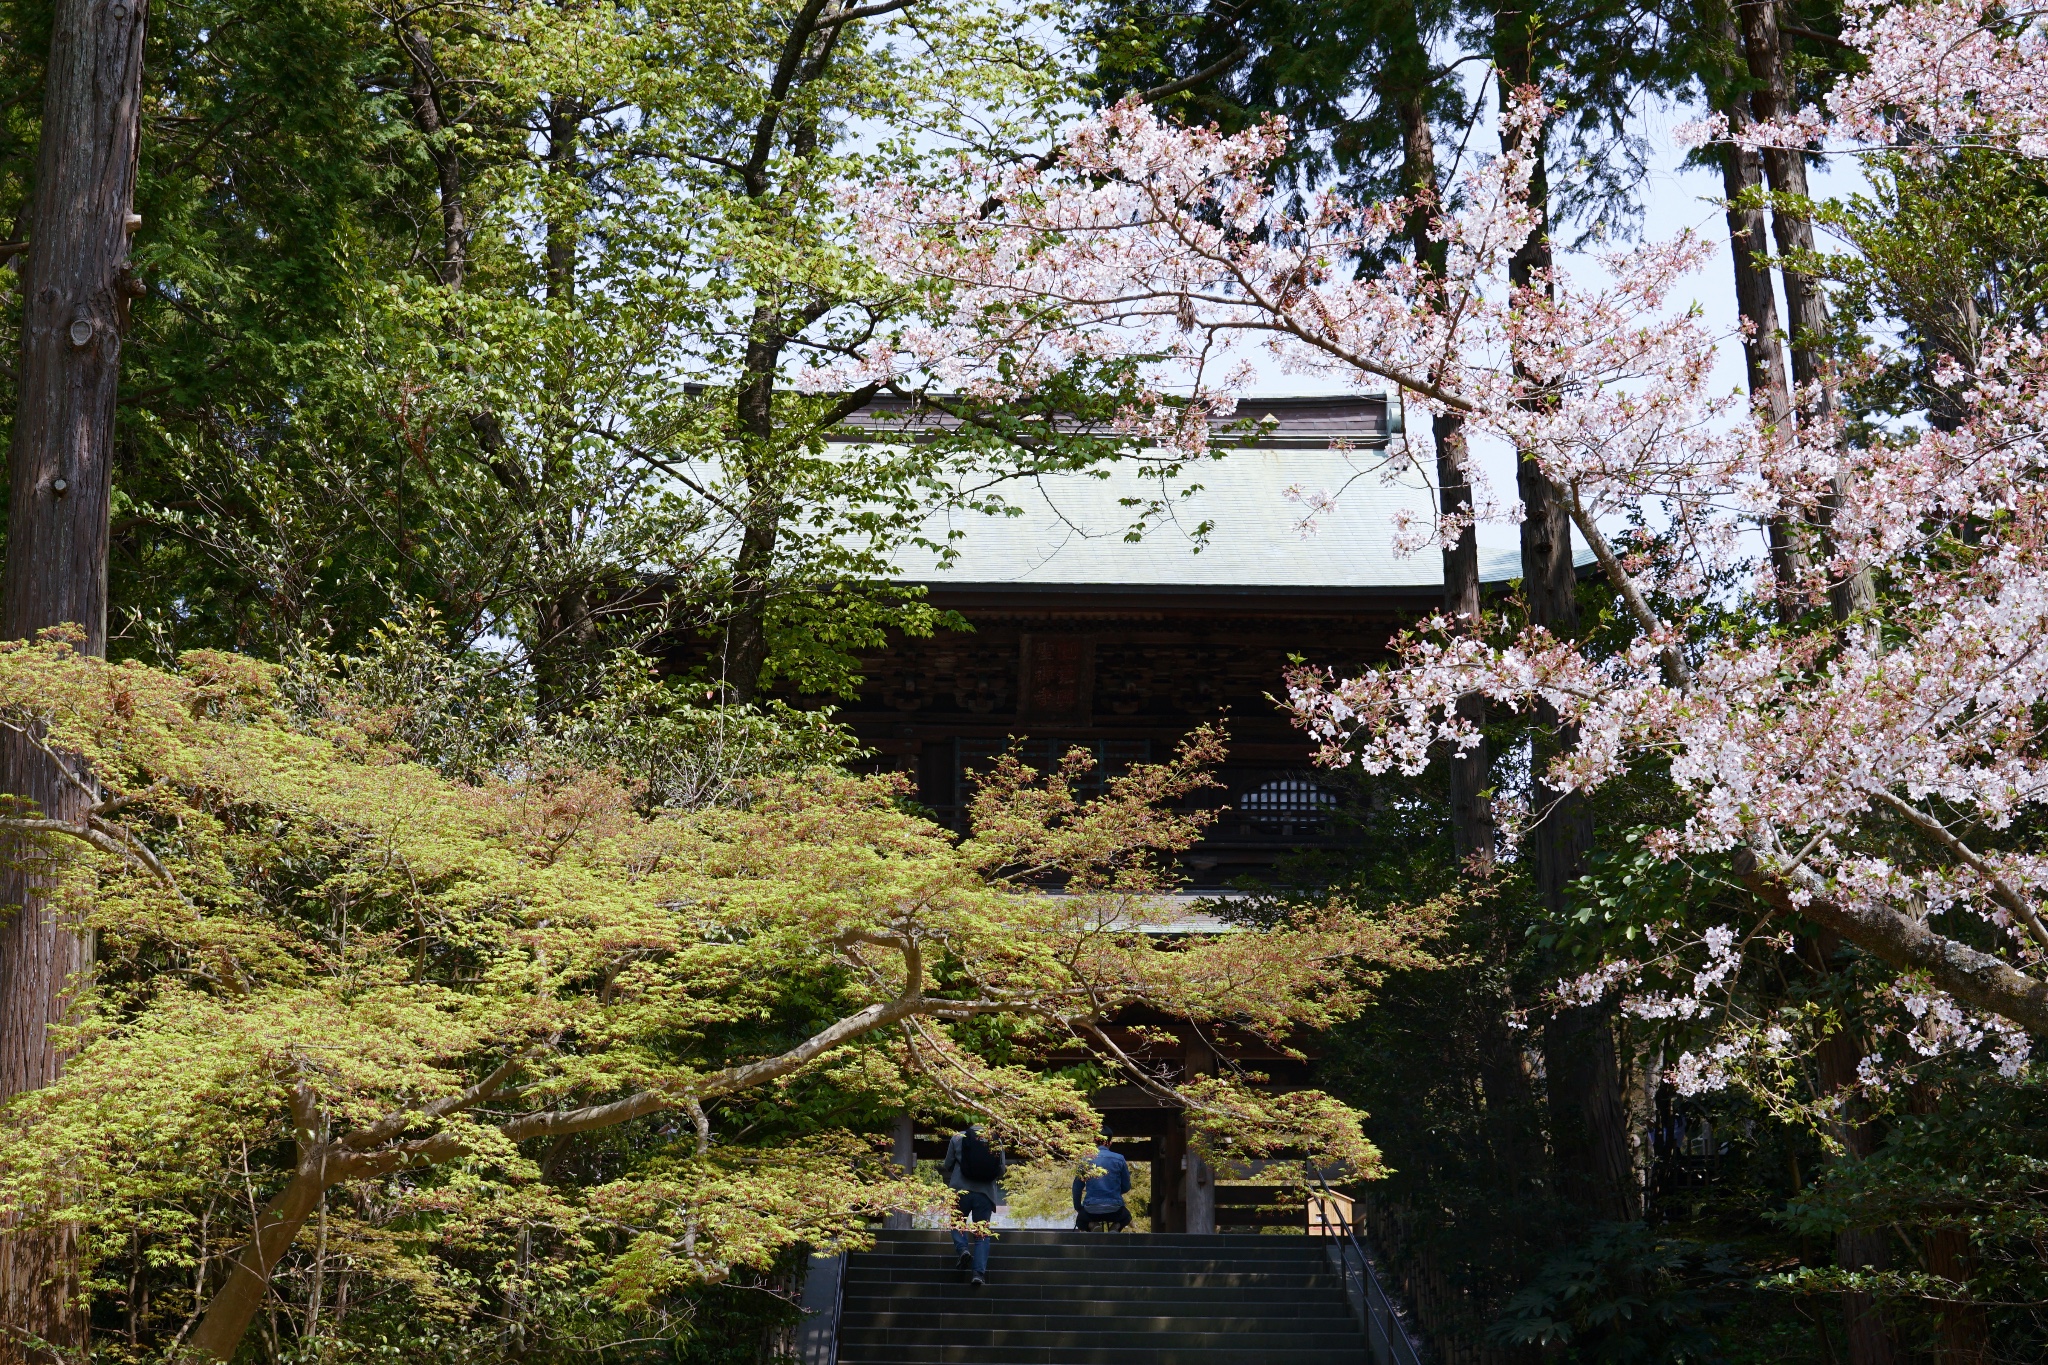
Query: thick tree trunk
(1963,1330)
(1763,45)
(565,628)
(233,1307)
(1198,1189)
(424,93)
(1472,827)
(1763,354)
(1588,1115)
(1560,839)
(1514,1129)
(1763,48)
(746,644)
(903,1144)
(1855,1248)
(1169,1207)
(1472,830)
(44,956)
(77,292)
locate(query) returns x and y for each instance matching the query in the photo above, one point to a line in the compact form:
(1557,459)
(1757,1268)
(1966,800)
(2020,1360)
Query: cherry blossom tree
(1869,766)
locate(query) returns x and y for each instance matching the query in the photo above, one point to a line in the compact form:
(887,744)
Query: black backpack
(978,1162)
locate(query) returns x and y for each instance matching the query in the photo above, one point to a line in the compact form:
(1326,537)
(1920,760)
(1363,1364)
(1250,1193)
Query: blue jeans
(978,1208)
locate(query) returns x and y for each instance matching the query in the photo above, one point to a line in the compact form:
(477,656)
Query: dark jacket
(956,1175)
(1103,1188)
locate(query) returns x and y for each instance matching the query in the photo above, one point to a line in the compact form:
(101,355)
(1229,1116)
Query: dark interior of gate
(1083,638)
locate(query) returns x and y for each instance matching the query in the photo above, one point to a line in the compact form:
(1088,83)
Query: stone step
(1282,1344)
(1051,1315)
(1028,1298)
(1195,1280)
(1228,1241)
(1097,1355)
(1053,1258)
(1067,1298)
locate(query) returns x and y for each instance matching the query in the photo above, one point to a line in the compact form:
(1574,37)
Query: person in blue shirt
(1099,1191)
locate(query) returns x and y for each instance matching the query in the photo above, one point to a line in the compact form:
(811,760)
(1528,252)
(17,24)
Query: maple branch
(905,944)
(108,837)
(1158,1089)
(396,1122)
(727,1081)
(115,803)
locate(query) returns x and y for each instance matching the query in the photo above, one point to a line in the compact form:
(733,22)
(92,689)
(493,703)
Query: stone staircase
(1070,1298)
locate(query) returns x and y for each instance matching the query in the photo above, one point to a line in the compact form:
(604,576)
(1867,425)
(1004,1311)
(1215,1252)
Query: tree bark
(1169,1207)
(1763,45)
(1198,1191)
(746,650)
(77,289)
(1855,1248)
(1514,1129)
(1405,85)
(1472,830)
(903,1154)
(806,53)
(565,601)
(424,93)
(1588,1116)
(1763,356)
(1975,978)
(1963,1330)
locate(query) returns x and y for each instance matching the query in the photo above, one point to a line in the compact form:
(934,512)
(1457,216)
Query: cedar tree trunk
(77,288)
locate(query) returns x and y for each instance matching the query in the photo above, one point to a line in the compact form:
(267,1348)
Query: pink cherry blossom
(1165,247)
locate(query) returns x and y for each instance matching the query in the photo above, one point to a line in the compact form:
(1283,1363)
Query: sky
(1675,198)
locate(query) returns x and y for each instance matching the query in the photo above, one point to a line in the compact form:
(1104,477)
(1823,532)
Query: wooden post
(1199,1191)
(905,1157)
(1169,1208)
(77,289)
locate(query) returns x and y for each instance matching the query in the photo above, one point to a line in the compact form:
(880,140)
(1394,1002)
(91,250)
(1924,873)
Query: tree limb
(1675,671)
(1158,92)
(2000,888)
(1975,978)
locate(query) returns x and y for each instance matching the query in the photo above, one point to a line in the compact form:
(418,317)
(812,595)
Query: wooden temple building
(1084,637)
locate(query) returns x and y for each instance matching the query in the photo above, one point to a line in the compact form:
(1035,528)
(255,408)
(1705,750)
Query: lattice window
(1287,805)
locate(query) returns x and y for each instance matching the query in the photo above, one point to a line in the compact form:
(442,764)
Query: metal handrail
(1387,1336)
(838,1309)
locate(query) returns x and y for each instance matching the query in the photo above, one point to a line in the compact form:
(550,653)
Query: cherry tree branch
(1963,853)
(1975,978)
(1675,671)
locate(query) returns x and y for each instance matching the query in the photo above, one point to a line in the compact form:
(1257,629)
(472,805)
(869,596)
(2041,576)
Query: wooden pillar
(905,1157)
(1199,1182)
(1169,1209)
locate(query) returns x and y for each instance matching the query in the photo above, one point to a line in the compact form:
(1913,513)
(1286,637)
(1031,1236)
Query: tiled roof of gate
(1284,423)
(1070,530)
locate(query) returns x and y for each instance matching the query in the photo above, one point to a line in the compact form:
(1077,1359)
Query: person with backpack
(973,1167)
(1100,1188)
